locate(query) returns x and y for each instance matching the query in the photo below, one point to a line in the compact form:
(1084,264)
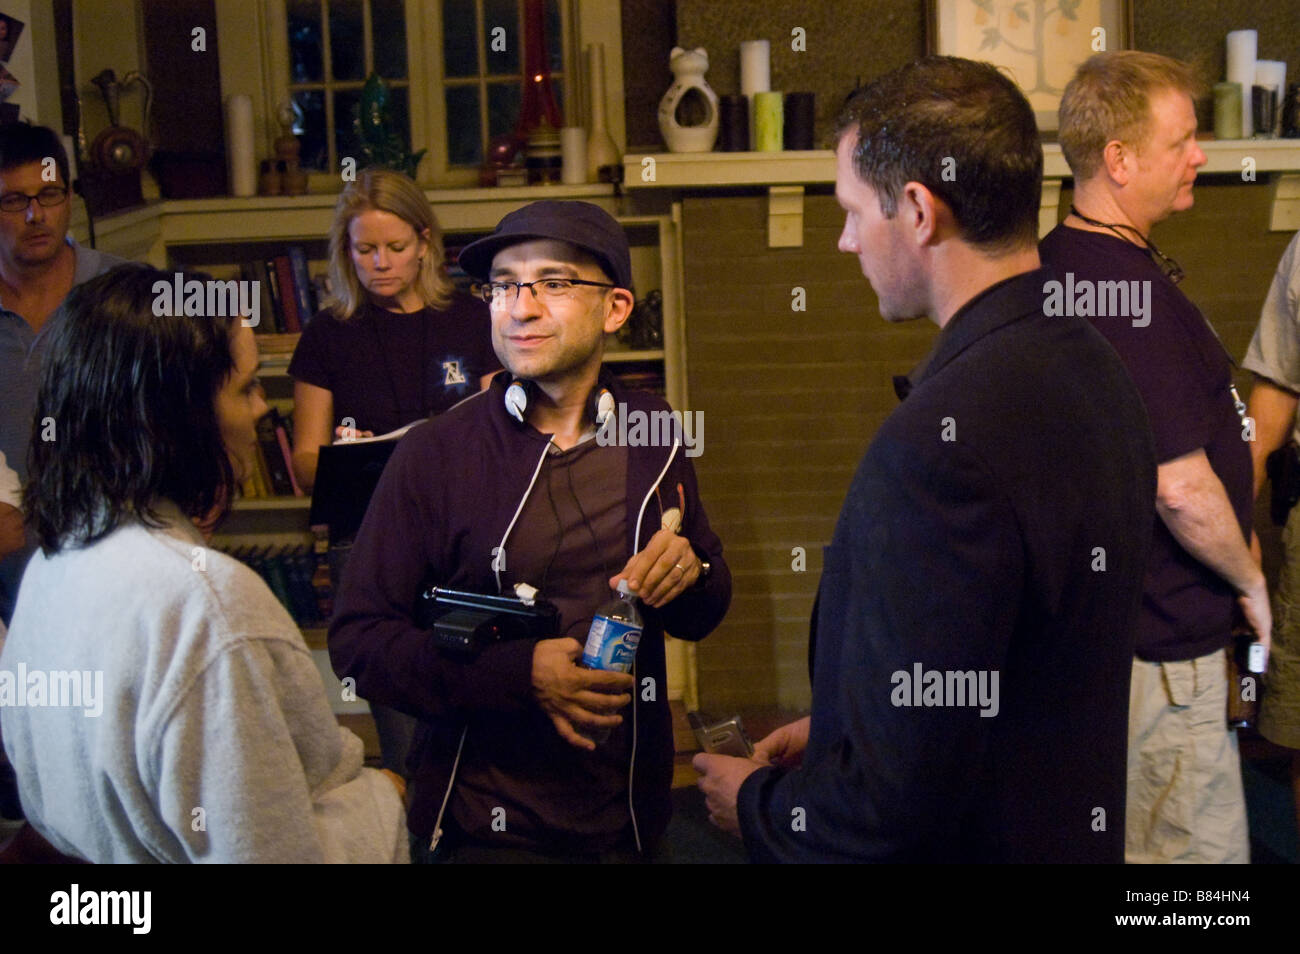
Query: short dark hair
(964,131)
(131,397)
(21,143)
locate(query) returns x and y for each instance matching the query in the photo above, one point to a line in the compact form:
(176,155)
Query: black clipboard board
(347,474)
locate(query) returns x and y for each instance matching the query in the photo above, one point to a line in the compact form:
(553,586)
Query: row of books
(297,575)
(290,296)
(272,472)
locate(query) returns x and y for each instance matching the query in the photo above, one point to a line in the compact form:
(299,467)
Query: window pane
(554,36)
(346,102)
(388,31)
(347,40)
(464,145)
(503,108)
(505,15)
(315,154)
(305,42)
(459,38)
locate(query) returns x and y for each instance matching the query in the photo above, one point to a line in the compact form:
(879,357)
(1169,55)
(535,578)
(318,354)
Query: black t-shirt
(387,369)
(1183,374)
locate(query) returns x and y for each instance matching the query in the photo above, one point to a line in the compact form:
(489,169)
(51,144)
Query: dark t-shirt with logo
(387,369)
(1183,374)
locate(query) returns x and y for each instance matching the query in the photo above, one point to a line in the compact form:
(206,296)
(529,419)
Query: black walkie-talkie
(465,623)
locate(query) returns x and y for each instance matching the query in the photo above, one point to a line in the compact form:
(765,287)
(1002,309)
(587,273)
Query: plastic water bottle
(612,640)
(615,633)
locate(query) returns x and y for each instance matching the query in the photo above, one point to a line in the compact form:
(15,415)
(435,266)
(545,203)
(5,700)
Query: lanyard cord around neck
(1171,269)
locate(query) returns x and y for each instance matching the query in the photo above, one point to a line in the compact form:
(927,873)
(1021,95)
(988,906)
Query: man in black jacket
(975,616)
(523,484)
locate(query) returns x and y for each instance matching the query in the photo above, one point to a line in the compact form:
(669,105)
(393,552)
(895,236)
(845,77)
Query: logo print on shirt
(454,374)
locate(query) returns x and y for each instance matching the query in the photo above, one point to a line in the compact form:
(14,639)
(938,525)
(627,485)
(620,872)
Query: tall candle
(755,67)
(1242,45)
(755,77)
(239,145)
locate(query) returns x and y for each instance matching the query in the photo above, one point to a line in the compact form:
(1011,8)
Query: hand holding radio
(720,779)
(785,746)
(572,696)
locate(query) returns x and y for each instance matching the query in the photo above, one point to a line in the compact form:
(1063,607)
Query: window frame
(329,86)
(485,79)
(257,62)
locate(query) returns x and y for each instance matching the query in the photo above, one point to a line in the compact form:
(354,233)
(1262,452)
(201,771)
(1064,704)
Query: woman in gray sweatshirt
(157,701)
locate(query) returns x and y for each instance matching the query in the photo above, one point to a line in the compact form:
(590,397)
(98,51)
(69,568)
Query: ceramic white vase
(688,113)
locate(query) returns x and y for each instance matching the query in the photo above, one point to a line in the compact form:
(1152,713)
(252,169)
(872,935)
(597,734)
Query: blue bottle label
(611,645)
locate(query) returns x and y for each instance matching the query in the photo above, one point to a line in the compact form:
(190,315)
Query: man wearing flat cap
(524,755)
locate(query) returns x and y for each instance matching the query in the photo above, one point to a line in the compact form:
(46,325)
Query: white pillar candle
(755,75)
(1242,45)
(240,162)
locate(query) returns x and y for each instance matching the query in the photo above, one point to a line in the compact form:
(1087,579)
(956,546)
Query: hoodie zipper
(636,548)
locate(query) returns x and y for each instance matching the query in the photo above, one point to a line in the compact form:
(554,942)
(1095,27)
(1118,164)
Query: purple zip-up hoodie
(446,498)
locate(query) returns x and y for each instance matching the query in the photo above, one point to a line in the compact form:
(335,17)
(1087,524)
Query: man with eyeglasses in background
(523,755)
(39,264)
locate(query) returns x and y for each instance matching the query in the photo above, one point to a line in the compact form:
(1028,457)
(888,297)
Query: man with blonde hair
(1128,131)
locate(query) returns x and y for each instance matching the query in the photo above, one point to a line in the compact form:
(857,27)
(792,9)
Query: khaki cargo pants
(1185,798)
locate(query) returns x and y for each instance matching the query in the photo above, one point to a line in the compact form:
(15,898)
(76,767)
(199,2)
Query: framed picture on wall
(1040,43)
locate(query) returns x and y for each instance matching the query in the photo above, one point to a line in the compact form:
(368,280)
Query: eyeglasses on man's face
(546,290)
(20,201)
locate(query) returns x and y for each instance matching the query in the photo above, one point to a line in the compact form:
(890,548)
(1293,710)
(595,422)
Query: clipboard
(346,476)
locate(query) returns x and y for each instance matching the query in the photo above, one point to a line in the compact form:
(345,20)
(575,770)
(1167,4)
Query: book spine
(248,273)
(277,468)
(320,582)
(269,323)
(286,450)
(264,488)
(302,283)
(277,294)
(288,294)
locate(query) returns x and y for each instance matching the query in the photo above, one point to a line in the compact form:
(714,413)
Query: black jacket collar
(995,307)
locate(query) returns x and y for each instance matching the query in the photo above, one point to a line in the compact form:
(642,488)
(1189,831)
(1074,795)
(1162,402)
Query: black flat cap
(587,226)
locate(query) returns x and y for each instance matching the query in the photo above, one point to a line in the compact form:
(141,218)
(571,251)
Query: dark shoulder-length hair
(126,412)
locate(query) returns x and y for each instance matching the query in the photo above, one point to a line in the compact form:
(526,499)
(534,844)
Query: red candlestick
(539,97)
